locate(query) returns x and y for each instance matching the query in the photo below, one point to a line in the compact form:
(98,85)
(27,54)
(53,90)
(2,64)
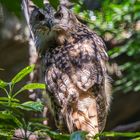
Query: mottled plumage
(74,61)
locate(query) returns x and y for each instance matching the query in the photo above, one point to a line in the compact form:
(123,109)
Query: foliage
(15,6)
(12,111)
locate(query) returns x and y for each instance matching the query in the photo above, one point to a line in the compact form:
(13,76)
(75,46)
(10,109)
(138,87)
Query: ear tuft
(67,3)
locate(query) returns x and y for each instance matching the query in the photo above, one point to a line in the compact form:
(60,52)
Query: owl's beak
(49,23)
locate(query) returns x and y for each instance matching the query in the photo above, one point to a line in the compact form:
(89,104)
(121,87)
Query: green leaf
(4,104)
(37,126)
(13,106)
(79,135)
(33,106)
(6,133)
(54,3)
(14,7)
(10,118)
(54,135)
(30,86)
(33,86)
(138,138)
(119,134)
(7,99)
(39,3)
(22,74)
(3,84)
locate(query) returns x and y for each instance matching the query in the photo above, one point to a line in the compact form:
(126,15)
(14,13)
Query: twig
(128,127)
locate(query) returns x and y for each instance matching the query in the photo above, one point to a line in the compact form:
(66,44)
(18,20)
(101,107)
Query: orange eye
(58,15)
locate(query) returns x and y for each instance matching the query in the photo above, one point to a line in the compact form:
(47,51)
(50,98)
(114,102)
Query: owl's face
(63,20)
(40,19)
(49,25)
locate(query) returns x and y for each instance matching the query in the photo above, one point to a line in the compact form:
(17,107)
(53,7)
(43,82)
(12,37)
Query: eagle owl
(74,63)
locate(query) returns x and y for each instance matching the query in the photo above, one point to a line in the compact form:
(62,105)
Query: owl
(74,65)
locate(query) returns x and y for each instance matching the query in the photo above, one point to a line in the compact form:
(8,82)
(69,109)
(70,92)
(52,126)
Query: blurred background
(117,22)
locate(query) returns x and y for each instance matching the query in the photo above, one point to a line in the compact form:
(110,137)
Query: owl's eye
(58,15)
(40,16)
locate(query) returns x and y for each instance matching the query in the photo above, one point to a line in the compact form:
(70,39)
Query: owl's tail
(85,117)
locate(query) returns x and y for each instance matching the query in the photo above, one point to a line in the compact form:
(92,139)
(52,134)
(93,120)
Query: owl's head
(63,20)
(40,18)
